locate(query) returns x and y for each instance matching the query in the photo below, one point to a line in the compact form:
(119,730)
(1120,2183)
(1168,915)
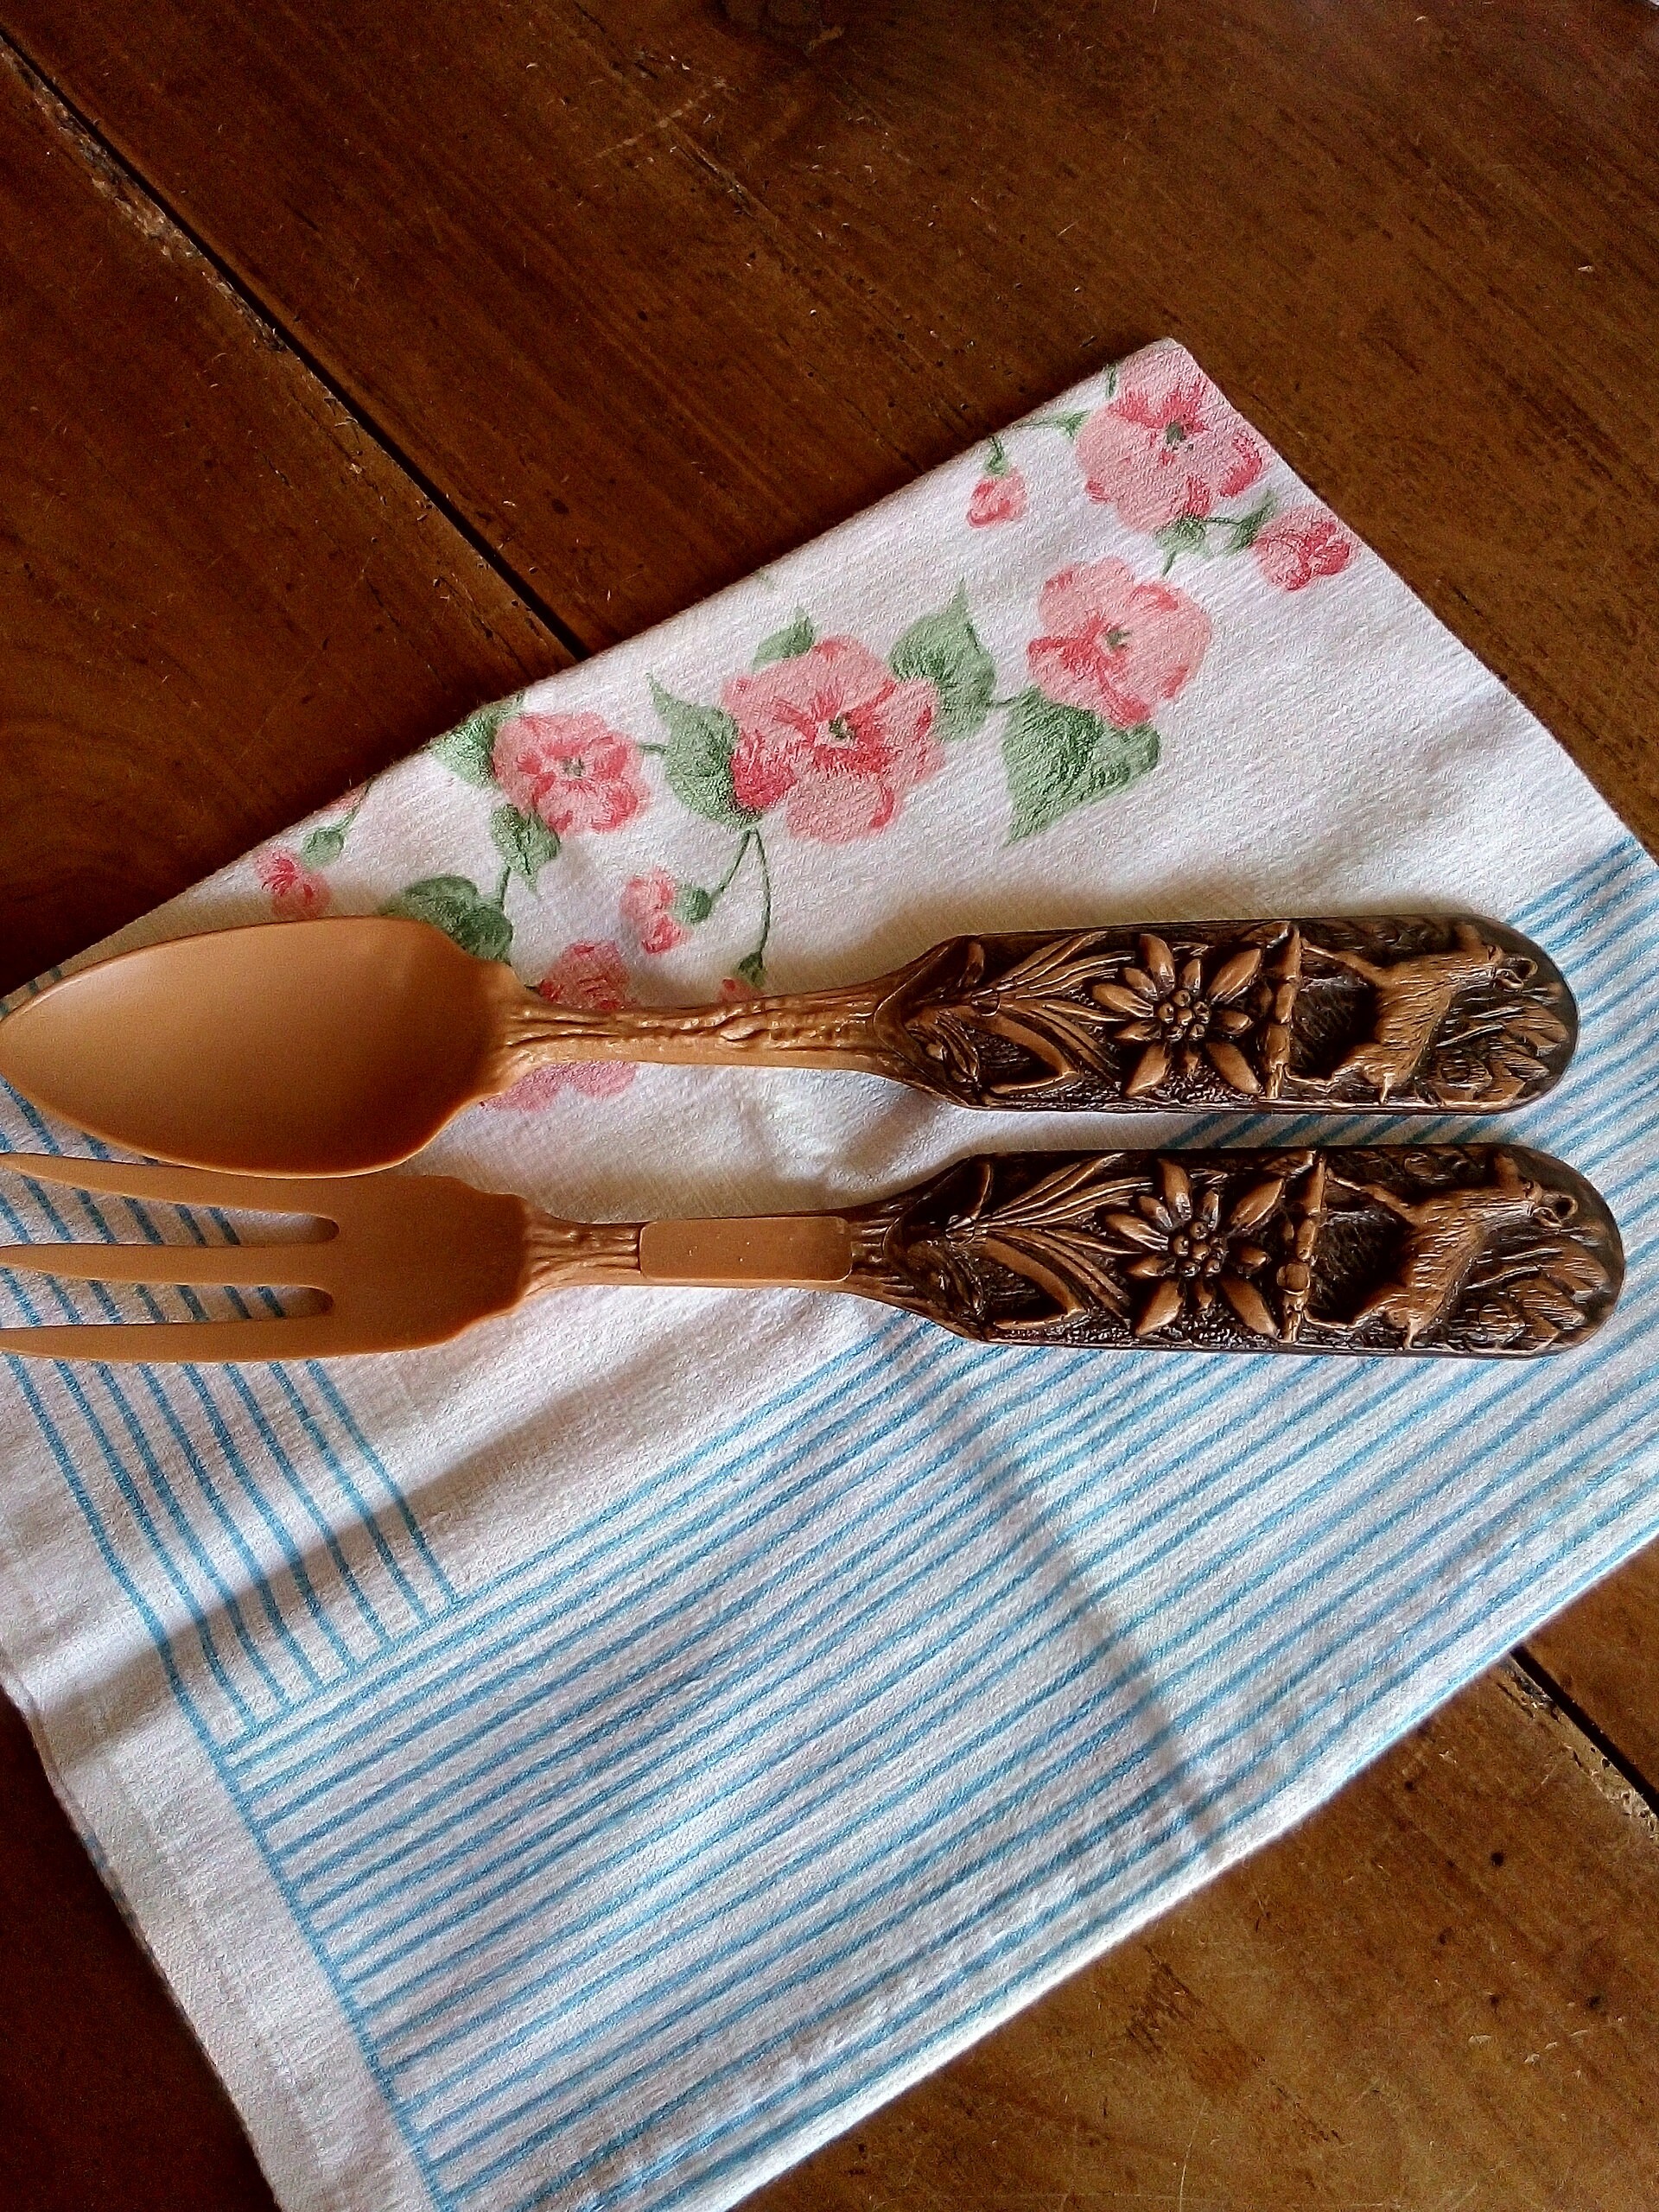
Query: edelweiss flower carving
(1178,1015)
(1189,1254)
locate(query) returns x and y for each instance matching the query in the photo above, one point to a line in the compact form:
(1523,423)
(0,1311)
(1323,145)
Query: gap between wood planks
(1523,1678)
(135,199)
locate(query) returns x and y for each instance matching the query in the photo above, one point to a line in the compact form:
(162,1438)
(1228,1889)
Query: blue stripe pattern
(657,1857)
(271,1543)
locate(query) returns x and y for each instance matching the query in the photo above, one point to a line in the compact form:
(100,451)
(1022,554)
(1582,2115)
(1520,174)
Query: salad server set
(282,1068)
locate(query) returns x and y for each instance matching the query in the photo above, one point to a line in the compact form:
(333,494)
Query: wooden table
(361,360)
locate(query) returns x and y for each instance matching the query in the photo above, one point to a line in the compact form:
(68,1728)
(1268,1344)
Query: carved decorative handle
(1473,1249)
(1406,1014)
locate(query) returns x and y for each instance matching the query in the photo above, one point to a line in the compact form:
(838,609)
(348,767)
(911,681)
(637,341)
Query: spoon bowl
(317,1048)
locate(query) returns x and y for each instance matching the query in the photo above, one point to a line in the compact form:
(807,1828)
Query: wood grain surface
(360,361)
(654,299)
(221,604)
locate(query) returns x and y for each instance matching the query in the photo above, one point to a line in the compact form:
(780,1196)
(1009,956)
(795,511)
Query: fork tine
(305,1336)
(303,1266)
(181,1186)
(402,1261)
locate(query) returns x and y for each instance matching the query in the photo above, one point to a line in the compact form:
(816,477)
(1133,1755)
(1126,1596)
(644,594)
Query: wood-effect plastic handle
(1475,1250)
(1407,1014)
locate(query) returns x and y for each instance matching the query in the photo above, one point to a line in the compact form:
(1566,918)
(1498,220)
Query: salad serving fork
(1445,1249)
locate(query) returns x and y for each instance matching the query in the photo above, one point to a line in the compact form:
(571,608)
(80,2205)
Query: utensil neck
(565,1254)
(776,1251)
(797,1029)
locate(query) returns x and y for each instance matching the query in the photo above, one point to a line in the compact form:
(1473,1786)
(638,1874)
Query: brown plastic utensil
(1472,1249)
(333,1047)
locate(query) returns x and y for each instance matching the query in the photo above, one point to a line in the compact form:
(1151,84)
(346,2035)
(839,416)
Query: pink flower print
(834,733)
(1113,644)
(1166,444)
(1300,544)
(733,987)
(647,905)
(997,499)
(589,976)
(297,892)
(572,770)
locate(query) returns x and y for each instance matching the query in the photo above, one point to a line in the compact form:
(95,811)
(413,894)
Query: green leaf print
(796,637)
(456,906)
(1242,530)
(524,840)
(691,904)
(945,648)
(469,748)
(698,759)
(323,847)
(1069,422)
(1186,534)
(1059,758)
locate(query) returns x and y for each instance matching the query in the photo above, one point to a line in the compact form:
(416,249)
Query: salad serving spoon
(337,1046)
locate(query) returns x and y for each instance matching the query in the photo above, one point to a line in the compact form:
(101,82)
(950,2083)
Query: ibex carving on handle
(1411,998)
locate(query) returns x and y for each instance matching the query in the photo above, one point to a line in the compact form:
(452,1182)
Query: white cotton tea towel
(588,1765)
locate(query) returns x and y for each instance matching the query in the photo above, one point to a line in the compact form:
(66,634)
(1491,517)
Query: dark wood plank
(1428,1995)
(106,2102)
(655,297)
(221,604)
